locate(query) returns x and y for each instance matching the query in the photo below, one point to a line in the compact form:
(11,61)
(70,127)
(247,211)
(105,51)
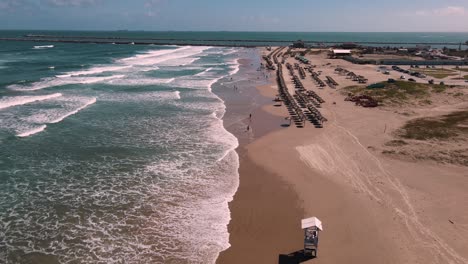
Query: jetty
(209,42)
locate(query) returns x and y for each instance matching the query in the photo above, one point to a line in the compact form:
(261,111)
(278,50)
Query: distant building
(423,47)
(390,51)
(298,44)
(337,53)
(349,45)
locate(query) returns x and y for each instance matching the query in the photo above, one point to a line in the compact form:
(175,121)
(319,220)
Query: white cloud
(152,7)
(10,4)
(72,2)
(445,11)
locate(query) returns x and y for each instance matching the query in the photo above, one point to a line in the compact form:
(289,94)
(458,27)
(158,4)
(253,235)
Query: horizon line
(231,31)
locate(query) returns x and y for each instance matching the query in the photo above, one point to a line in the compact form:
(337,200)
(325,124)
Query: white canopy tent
(341,52)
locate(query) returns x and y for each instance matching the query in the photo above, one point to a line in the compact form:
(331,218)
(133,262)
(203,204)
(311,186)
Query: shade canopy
(311,222)
(341,51)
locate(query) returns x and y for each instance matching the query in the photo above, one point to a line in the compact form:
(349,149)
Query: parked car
(402,77)
(431,81)
(391,81)
(411,80)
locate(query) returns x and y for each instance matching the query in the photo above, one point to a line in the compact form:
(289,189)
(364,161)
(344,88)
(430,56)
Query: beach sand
(374,209)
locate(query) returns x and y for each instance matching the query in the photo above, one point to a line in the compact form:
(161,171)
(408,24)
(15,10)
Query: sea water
(114,153)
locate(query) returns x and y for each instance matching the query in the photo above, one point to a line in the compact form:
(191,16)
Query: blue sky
(237,15)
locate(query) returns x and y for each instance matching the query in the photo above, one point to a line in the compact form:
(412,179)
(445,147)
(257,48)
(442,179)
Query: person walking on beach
(250,122)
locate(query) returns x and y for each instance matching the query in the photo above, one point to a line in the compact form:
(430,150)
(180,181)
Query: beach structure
(312,227)
(338,53)
(299,44)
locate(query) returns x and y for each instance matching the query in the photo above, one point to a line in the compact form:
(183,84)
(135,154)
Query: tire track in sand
(340,155)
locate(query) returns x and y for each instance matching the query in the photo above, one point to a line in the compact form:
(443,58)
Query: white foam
(88,80)
(140,81)
(177,93)
(32,131)
(43,47)
(53,82)
(151,54)
(231,52)
(95,70)
(6,102)
(236,68)
(152,96)
(147,69)
(196,83)
(159,56)
(204,72)
(184,61)
(90,102)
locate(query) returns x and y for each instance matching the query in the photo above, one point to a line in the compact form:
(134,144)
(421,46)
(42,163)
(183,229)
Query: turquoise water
(114,154)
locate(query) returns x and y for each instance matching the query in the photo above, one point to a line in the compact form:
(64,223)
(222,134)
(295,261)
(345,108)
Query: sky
(238,15)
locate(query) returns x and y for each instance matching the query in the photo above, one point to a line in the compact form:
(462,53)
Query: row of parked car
(412,73)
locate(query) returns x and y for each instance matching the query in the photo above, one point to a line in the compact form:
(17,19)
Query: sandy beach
(376,208)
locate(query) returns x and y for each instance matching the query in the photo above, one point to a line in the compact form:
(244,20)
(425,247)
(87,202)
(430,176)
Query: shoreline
(251,242)
(277,189)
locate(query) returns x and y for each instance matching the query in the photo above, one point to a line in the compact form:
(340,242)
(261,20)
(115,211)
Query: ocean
(116,153)
(120,153)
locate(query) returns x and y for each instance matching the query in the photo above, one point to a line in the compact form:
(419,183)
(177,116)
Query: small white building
(335,53)
(338,52)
